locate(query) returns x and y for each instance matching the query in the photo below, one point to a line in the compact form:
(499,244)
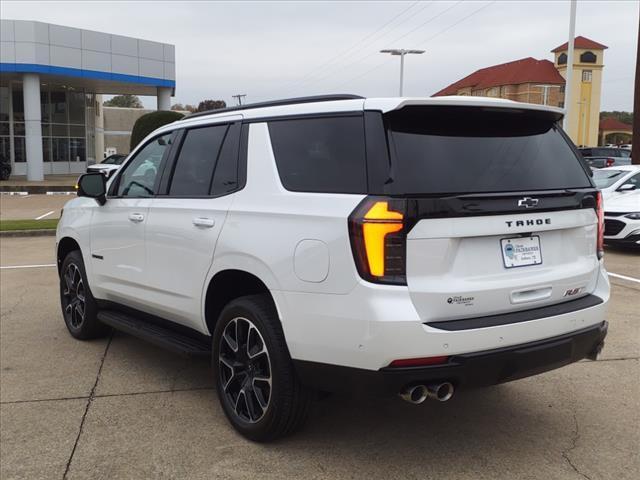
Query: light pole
(401,52)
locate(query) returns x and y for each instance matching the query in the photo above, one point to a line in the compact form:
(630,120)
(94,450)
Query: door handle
(204,222)
(136,217)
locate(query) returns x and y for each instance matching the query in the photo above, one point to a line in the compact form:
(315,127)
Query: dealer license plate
(521,251)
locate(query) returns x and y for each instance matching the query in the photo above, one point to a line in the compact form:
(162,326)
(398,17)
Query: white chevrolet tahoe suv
(388,246)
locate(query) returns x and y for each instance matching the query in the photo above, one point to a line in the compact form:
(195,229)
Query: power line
(340,64)
(421,45)
(344,52)
(392,41)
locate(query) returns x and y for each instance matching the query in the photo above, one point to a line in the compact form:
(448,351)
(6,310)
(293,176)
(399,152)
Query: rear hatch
(501,209)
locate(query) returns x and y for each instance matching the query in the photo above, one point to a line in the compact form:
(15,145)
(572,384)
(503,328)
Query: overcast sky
(282,49)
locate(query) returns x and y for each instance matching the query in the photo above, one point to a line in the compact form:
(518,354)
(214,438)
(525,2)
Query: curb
(36,189)
(28,233)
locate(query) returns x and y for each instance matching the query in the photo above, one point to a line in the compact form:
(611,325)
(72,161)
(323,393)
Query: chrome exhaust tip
(415,394)
(440,391)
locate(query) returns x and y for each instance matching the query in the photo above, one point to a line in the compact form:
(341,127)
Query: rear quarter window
(324,155)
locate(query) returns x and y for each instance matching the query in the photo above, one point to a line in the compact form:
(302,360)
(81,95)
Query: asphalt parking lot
(120,408)
(36,207)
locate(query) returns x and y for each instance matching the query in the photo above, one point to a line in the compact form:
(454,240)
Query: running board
(157,335)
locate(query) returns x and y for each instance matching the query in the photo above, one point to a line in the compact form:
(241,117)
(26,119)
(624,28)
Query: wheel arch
(65,246)
(227,285)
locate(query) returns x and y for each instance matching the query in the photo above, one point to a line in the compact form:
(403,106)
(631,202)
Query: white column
(33,126)
(164,98)
(99,118)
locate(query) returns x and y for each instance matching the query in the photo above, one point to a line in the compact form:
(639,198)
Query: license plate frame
(524,251)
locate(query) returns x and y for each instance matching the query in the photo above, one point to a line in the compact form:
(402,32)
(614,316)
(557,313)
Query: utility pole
(568,106)
(635,147)
(239,97)
(402,52)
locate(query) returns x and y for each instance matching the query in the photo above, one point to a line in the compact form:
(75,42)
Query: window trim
(316,116)
(167,174)
(163,162)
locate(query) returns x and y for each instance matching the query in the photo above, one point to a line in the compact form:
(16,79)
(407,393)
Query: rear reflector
(419,362)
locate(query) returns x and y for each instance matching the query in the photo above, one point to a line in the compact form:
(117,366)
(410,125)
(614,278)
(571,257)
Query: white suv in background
(386,246)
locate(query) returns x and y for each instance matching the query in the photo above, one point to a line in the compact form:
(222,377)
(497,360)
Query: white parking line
(624,277)
(45,215)
(9,267)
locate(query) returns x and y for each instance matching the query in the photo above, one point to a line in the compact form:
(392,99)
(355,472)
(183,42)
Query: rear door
(503,210)
(186,219)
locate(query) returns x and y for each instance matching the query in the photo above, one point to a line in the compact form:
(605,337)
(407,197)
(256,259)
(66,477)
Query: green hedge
(148,122)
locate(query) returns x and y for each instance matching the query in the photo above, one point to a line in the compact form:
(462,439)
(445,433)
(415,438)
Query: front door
(118,227)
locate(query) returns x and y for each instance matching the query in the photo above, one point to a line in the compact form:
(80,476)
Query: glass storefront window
(19,149)
(77,150)
(46,149)
(58,106)
(76,131)
(45,106)
(58,130)
(18,105)
(5,148)
(60,149)
(68,126)
(4,104)
(76,107)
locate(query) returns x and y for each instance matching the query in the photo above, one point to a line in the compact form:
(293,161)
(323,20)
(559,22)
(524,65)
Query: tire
(79,308)
(261,410)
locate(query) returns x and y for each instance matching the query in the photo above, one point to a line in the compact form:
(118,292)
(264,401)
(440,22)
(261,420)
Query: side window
(140,174)
(225,178)
(320,154)
(635,180)
(193,169)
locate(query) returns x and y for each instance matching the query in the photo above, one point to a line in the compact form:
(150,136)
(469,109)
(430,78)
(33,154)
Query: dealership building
(52,79)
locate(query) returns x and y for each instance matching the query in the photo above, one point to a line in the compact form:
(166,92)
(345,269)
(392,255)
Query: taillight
(610,162)
(378,234)
(600,214)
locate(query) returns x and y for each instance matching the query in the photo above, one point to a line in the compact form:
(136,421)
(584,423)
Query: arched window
(562,59)
(588,57)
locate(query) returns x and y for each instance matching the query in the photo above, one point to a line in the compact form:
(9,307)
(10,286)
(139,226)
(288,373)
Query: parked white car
(622,220)
(109,165)
(614,182)
(410,246)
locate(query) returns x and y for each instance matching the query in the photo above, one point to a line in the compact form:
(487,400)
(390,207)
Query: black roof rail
(278,103)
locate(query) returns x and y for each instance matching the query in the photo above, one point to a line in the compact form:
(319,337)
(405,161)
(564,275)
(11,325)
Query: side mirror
(93,185)
(627,187)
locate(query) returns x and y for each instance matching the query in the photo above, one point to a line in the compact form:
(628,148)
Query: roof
(581,42)
(517,72)
(347,104)
(610,123)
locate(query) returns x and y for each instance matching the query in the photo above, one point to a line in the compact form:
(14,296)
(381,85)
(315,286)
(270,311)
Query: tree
(183,108)
(624,117)
(148,122)
(124,101)
(177,106)
(211,105)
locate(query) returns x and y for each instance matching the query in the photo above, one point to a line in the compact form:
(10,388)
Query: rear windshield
(478,150)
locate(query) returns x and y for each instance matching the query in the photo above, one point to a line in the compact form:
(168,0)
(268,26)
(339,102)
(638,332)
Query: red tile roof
(581,42)
(520,71)
(610,123)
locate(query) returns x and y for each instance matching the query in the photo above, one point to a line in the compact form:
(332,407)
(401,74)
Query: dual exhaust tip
(416,394)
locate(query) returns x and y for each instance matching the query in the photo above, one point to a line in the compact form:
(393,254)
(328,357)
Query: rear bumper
(463,370)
